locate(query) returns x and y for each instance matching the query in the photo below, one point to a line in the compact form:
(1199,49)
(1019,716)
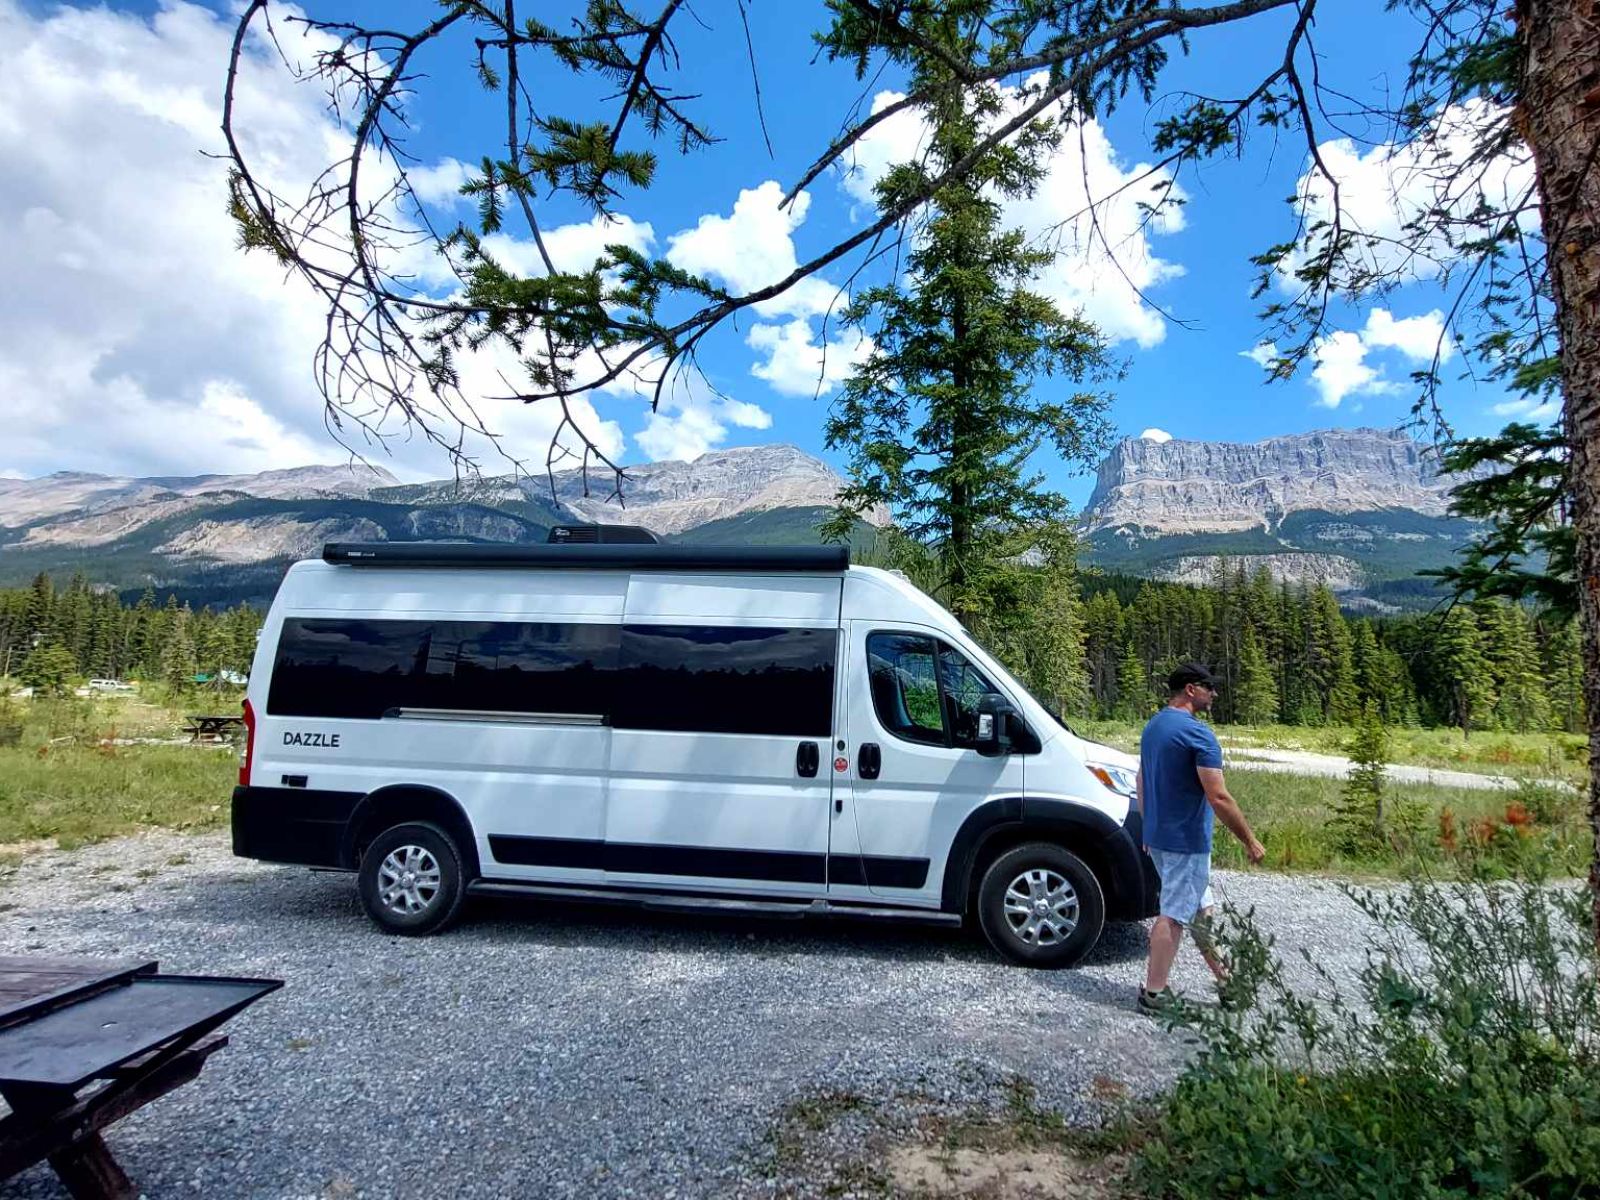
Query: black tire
(1055,942)
(435,854)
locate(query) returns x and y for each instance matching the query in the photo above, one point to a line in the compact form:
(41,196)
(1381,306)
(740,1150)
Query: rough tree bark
(1560,118)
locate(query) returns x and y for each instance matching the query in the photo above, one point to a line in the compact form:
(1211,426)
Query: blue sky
(146,74)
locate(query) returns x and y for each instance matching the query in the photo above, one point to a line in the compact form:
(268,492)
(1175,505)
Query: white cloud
(1418,338)
(1262,354)
(796,365)
(1528,408)
(440,183)
(573,247)
(1155,435)
(690,422)
(693,417)
(1385,187)
(1343,370)
(752,248)
(1101,271)
(136,338)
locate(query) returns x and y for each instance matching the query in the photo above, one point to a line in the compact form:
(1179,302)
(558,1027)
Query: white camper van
(768,729)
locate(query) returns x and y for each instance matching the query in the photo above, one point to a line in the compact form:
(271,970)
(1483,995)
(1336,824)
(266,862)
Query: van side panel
(511,774)
(707,793)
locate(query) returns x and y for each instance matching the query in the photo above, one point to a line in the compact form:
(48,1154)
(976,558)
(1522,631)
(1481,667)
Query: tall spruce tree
(1466,669)
(1256,702)
(971,372)
(1521,703)
(1135,700)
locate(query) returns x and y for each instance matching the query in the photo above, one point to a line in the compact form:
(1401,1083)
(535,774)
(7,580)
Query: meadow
(81,770)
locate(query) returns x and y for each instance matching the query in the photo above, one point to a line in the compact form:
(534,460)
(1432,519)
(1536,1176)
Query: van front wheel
(1041,906)
(410,879)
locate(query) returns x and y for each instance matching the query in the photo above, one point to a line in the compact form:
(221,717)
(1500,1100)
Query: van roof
(735,559)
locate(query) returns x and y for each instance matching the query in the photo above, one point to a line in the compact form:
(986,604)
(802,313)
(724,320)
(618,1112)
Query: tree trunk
(960,447)
(1560,118)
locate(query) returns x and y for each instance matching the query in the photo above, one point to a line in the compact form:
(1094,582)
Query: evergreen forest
(1095,646)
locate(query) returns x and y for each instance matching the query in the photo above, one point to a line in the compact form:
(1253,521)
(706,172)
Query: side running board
(668,902)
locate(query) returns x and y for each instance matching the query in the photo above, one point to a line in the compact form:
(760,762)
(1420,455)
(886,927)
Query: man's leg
(1166,935)
(1202,931)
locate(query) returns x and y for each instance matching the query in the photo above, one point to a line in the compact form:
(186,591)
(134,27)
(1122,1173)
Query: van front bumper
(1145,900)
(292,825)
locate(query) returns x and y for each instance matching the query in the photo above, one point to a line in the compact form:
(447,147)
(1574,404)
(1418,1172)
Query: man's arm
(1229,812)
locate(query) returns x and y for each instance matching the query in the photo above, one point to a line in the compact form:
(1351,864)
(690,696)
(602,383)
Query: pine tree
(1522,704)
(178,662)
(1103,641)
(1134,701)
(1359,815)
(1464,665)
(40,610)
(49,670)
(942,418)
(1257,699)
(1563,661)
(141,636)
(1331,666)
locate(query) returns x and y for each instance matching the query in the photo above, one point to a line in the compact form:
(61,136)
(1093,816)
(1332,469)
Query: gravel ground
(1332,766)
(555,1049)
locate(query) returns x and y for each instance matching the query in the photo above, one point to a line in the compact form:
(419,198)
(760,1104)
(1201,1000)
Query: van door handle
(807,759)
(870,761)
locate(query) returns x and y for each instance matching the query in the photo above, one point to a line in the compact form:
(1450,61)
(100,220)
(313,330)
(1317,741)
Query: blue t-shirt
(1177,815)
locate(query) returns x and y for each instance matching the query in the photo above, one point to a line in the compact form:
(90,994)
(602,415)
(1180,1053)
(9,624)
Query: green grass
(62,782)
(79,794)
(1291,813)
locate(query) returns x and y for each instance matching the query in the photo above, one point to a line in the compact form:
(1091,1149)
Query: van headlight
(1119,779)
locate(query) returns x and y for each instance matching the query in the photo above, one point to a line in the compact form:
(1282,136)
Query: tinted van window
(365,669)
(538,667)
(711,679)
(347,668)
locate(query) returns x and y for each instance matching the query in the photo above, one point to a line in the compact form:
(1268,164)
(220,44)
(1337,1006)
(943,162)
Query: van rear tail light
(249,744)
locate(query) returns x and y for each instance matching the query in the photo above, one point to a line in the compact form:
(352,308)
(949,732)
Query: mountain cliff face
(1214,487)
(1362,510)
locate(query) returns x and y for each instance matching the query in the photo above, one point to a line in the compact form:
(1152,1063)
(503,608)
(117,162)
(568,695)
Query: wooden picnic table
(84,1042)
(202,725)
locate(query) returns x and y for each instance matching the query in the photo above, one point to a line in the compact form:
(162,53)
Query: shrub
(1465,1063)
(10,722)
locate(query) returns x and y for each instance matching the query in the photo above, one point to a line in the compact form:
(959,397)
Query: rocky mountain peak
(670,497)
(1174,487)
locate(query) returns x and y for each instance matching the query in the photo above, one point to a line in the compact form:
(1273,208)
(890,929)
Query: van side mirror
(995,716)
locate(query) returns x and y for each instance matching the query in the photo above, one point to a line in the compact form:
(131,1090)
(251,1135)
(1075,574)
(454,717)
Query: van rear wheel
(1040,905)
(410,879)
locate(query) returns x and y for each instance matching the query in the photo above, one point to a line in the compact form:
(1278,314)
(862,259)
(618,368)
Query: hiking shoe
(1156,1003)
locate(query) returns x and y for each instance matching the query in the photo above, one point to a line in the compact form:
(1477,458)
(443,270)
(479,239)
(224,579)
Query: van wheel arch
(396,805)
(1002,825)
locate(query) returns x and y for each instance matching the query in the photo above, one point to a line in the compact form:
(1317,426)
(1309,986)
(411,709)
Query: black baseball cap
(1190,673)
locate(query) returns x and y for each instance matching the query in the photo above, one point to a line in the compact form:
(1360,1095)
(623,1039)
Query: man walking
(1179,787)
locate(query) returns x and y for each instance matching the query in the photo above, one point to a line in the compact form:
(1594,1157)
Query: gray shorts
(1185,883)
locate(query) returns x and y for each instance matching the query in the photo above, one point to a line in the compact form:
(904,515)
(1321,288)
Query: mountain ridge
(1185,486)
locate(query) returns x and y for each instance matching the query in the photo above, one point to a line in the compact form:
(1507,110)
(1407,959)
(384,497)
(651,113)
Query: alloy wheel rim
(1041,907)
(408,880)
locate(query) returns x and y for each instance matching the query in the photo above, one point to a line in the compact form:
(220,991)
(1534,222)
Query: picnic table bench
(204,725)
(84,1042)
